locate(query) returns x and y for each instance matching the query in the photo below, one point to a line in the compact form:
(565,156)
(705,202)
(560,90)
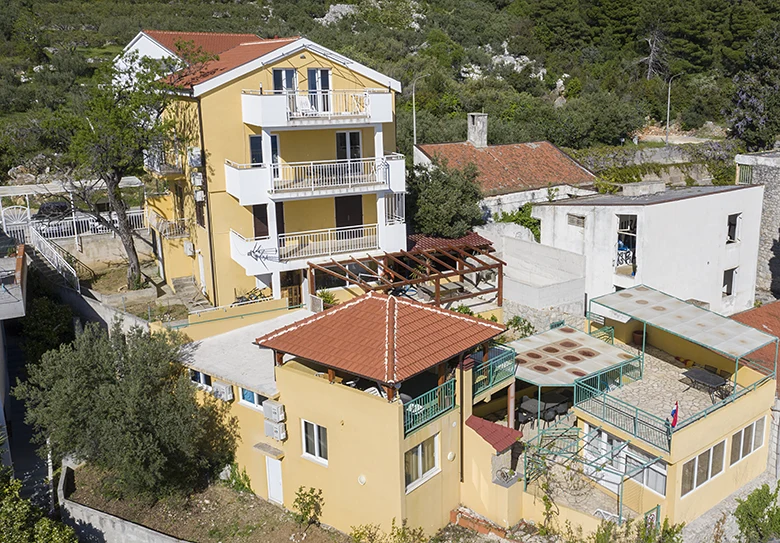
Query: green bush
(758,515)
(308,505)
(522,217)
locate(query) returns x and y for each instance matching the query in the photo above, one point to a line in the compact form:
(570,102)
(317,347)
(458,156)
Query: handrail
(426,407)
(499,366)
(50,254)
(328,241)
(323,230)
(614,374)
(250,240)
(87,272)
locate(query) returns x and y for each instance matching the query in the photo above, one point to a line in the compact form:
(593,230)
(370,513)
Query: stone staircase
(46,270)
(189,293)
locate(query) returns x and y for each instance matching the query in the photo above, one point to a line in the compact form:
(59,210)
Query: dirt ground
(218,514)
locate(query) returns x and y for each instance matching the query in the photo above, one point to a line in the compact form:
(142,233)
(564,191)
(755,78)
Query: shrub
(523,217)
(399,533)
(238,480)
(308,504)
(521,327)
(327,297)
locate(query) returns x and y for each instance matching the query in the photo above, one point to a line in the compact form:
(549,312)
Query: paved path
(28,466)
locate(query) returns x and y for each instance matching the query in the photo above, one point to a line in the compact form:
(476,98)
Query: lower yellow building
(398,410)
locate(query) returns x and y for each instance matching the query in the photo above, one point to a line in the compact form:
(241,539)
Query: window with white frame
(200,378)
(732,235)
(575,220)
(703,467)
(252,398)
(747,440)
(395,208)
(421,462)
(652,476)
(729,276)
(315,441)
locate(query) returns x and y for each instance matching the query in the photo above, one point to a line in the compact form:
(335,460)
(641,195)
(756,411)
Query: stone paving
(661,386)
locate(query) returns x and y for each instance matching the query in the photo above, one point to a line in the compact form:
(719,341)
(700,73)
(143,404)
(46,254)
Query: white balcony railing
(328,241)
(169,229)
(329,174)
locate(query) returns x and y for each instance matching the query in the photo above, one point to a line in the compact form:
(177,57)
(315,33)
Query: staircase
(189,293)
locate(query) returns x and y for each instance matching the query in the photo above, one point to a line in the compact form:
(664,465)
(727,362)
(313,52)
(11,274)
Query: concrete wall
(681,245)
(90,309)
(93,526)
(512,202)
(103,250)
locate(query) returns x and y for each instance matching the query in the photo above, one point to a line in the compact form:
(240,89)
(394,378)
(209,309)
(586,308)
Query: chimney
(478,130)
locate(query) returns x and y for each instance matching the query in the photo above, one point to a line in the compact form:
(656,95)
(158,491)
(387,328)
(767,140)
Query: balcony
(163,163)
(169,229)
(423,409)
(316,108)
(261,255)
(499,367)
(259,183)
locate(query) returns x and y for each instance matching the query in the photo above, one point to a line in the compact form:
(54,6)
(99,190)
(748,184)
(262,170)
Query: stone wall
(768,275)
(93,526)
(571,314)
(104,250)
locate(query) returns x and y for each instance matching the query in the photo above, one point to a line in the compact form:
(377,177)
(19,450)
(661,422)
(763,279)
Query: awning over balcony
(698,325)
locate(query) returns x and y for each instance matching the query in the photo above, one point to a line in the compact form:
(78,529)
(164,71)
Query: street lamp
(669,105)
(414,108)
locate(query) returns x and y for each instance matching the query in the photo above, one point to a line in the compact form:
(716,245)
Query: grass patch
(157,312)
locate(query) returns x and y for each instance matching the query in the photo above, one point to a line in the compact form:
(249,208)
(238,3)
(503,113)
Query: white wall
(681,245)
(511,202)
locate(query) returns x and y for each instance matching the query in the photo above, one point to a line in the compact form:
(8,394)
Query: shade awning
(63,188)
(696,324)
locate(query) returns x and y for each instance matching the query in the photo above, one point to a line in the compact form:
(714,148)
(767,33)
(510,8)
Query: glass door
(319,89)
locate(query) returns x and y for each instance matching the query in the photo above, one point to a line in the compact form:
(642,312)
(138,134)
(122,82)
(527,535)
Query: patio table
(711,381)
(552,399)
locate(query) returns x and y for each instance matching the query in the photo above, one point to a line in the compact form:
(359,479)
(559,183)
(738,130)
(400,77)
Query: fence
(428,406)
(327,174)
(81,225)
(327,103)
(328,241)
(499,366)
(395,208)
(57,261)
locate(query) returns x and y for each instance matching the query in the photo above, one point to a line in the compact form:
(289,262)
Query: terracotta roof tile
(767,319)
(426,243)
(381,337)
(498,436)
(514,167)
(211,42)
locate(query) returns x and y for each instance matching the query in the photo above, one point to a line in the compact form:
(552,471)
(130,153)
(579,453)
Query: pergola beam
(386,268)
(467,255)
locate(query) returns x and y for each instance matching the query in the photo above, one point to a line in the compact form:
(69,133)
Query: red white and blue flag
(674,414)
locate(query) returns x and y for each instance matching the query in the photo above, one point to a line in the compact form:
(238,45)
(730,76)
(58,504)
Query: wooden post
(510,404)
(442,373)
(279,358)
(485,348)
(390,393)
(312,292)
(500,285)
(438,292)
(331,376)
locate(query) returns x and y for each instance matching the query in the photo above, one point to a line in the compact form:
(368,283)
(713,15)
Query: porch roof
(698,325)
(58,187)
(560,356)
(382,338)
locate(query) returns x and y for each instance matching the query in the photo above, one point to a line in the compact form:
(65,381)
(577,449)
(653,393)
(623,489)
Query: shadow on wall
(774,268)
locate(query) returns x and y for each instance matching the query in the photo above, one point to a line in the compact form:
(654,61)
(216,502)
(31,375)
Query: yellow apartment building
(285,155)
(418,411)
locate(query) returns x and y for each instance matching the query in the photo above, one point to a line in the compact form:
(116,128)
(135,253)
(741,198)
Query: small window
(576,220)
(702,468)
(256,150)
(315,441)
(252,398)
(733,228)
(200,213)
(745,174)
(728,281)
(200,378)
(421,462)
(747,440)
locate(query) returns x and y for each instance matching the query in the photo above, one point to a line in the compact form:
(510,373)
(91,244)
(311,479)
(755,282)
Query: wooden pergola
(399,270)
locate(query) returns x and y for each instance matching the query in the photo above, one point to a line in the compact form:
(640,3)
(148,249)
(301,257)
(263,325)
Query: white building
(696,243)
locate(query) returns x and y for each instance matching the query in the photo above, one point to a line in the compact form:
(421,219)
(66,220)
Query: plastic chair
(548,416)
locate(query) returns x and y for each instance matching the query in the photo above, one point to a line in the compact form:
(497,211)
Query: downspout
(212,264)
(776,417)
(461,417)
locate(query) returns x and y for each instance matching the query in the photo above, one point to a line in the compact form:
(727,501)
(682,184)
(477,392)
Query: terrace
(689,357)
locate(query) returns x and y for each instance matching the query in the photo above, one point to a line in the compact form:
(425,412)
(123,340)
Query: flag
(674,414)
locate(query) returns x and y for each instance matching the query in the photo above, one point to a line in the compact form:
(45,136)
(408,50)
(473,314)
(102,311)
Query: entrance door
(202,270)
(260,215)
(349,211)
(158,252)
(319,89)
(273,469)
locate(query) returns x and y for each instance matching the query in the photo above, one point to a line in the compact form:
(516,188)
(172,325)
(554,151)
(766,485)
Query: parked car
(51,211)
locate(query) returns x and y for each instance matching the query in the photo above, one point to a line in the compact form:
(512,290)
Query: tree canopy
(125,403)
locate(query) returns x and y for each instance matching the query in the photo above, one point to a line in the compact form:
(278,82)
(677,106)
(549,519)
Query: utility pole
(669,105)
(414,109)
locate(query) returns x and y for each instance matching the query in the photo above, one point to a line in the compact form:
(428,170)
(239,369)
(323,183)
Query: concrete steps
(189,293)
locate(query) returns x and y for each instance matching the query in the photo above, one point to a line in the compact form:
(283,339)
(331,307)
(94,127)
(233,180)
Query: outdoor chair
(522,418)
(548,416)
(303,106)
(562,408)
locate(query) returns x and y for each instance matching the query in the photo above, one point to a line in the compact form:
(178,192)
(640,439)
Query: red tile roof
(514,167)
(429,243)
(211,42)
(232,51)
(767,319)
(498,436)
(381,337)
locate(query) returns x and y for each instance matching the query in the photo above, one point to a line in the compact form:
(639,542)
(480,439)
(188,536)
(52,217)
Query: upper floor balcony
(255,184)
(169,229)
(288,109)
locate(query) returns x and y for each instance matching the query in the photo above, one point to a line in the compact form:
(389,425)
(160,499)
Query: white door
(273,469)
(202,270)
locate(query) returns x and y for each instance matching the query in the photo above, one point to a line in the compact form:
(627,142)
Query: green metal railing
(423,409)
(637,422)
(605,333)
(615,376)
(499,366)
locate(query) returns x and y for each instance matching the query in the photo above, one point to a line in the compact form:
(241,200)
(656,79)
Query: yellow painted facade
(214,123)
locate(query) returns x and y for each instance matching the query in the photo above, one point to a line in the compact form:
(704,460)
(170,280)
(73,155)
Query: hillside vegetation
(577,72)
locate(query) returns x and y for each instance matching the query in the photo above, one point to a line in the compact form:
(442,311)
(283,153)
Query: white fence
(68,227)
(395,208)
(328,174)
(328,241)
(327,103)
(53,256)
(177,228)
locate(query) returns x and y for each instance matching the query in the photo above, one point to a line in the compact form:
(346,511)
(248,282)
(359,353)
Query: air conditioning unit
(194,157)
(189,248)
(273,411)
(222,391)
(197,179)
(276,430)
(200,196)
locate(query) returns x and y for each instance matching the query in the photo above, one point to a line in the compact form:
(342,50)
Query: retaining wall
(93,526)
(103,250)
(89,308)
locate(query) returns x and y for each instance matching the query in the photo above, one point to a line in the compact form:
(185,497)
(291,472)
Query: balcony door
(285,80)
(260,216)
(349,211)
(348,145)
(319,89)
